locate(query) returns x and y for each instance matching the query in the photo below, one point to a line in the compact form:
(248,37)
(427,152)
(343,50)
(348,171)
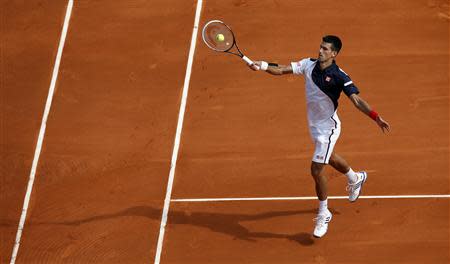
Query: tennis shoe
(354,189)
(322,220)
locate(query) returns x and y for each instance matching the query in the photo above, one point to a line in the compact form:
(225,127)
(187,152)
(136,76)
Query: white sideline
(178,134)
(419,196)
(37,151)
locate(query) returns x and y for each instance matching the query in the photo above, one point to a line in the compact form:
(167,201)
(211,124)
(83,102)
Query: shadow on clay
(224,223)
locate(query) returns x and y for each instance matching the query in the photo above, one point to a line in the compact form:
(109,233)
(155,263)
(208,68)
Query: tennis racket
(219,37)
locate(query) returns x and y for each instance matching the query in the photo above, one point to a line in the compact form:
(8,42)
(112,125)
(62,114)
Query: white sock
(351,176)
(323,205)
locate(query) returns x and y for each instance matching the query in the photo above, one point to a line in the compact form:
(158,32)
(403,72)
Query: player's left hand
(385,127)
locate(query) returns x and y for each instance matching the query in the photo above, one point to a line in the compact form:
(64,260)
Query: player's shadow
(225,223)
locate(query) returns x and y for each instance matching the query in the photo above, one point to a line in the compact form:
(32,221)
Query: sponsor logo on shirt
(328,78)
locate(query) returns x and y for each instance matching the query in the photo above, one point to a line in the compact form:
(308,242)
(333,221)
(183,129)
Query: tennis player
(324,82)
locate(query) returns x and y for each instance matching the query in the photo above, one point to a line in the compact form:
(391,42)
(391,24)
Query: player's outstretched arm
(364,107)
(271,68)
(279,69)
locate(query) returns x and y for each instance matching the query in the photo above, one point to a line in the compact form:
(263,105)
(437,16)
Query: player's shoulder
(304,63)
(308,61)
(340,72)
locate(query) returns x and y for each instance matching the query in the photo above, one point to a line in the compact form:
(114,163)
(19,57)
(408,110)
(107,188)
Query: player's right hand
(255,66)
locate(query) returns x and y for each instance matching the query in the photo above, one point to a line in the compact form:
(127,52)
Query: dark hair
(336,43)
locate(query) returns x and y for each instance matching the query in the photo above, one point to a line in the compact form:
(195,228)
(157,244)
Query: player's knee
(316,170)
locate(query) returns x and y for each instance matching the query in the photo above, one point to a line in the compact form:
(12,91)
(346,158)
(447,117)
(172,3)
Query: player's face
(325,52)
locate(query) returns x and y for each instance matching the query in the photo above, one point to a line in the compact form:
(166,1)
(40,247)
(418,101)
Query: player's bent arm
(364,107)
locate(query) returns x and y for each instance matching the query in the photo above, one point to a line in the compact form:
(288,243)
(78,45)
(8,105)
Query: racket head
(210,32)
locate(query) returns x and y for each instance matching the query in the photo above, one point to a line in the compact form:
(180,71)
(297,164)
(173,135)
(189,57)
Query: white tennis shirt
(323,88)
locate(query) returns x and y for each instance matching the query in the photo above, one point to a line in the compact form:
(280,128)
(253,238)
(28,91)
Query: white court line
(37,151)
(178,134)
(420,196)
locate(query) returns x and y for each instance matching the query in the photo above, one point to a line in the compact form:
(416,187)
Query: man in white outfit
(324,82)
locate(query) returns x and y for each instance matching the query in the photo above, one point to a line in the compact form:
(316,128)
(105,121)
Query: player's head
(335,41)
(329,48)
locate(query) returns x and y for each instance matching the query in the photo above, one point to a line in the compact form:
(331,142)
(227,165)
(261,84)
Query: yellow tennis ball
(220,37)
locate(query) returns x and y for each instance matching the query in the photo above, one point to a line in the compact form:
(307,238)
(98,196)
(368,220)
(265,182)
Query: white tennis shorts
(325,136)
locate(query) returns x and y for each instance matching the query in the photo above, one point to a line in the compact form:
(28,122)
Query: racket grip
(250,62)
(247,60)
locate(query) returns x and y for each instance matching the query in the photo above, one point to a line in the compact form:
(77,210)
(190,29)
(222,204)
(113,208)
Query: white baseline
(37,151)
(418,196)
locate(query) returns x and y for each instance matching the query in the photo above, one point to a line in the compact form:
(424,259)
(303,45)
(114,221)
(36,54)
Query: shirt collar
(331,67)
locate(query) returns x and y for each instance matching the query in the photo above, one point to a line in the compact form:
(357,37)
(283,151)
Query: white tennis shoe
(354,189)
(322,220)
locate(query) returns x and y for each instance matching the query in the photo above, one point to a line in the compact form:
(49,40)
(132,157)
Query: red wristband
(373,115)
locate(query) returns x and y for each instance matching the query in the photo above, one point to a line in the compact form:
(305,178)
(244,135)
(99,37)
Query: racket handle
(247,60)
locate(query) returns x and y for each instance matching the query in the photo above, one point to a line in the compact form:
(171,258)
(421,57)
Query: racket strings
(218,36)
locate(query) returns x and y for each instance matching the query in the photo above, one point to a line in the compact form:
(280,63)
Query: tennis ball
(220,37)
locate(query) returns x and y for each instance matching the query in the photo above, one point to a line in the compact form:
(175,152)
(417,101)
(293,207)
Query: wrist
(264,66)
(374,115)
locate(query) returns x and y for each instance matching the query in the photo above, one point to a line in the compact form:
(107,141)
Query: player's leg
(355,179)
(324,215)
(325,135)
(339,163)
(320,180)
(318,163)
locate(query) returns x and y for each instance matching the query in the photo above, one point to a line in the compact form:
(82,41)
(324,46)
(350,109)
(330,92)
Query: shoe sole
(319,236)
(362,184)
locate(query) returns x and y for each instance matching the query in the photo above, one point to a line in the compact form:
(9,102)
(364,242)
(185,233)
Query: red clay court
(122,73)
